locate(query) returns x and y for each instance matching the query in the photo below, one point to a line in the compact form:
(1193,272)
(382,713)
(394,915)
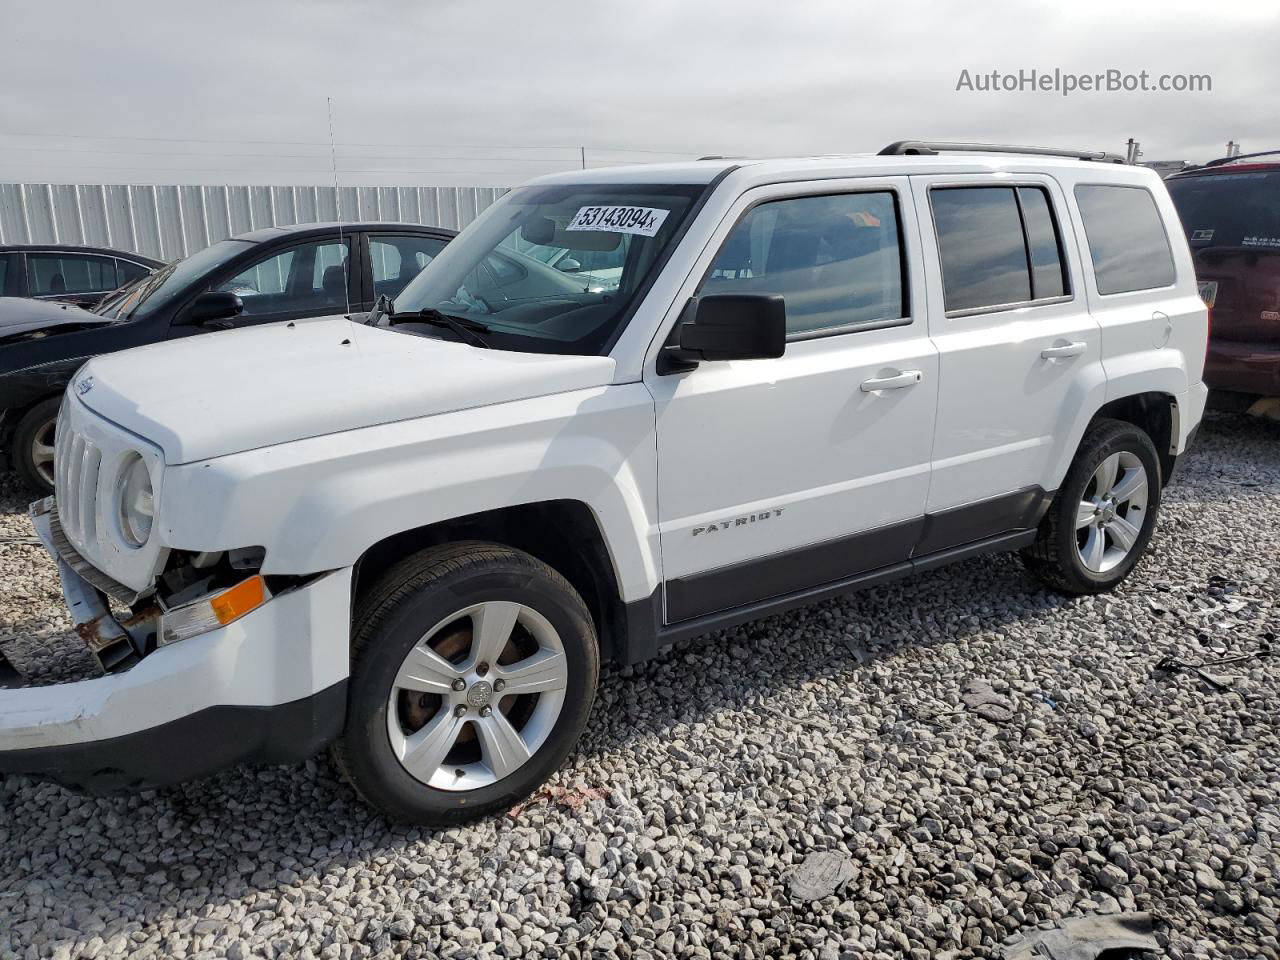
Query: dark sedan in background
(278,273)
(79,275)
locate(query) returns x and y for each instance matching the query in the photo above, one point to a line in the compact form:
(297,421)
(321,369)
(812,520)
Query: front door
(775,476)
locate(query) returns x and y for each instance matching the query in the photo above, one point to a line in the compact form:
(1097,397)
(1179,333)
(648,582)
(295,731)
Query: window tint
(397,260)
(127,271)
(980,244)
(310,278)
(1126,238)
(1048,277)
(836,260)
(1229,209)
(8,276)
(51,274)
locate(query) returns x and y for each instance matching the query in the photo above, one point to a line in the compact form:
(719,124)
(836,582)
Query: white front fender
(318,504)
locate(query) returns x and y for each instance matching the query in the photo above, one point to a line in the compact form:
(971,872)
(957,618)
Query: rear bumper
(269,687)
(1252,368)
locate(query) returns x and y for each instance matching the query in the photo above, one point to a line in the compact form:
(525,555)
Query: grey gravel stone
(675,829)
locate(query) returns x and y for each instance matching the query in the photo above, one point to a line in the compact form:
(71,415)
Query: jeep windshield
(151,293)
(552,269)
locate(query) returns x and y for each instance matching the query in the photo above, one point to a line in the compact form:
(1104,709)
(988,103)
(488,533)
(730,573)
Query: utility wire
(321,143)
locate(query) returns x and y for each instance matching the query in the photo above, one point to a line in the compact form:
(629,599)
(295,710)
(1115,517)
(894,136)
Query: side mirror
(727,327)
(569,265)
(215,305)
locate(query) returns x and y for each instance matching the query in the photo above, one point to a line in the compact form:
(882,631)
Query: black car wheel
(473,671)
(32,450)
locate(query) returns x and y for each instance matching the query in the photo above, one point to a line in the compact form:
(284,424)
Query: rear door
(780,475)
(1017,349)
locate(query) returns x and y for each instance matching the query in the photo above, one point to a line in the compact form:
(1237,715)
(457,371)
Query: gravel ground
(708,775)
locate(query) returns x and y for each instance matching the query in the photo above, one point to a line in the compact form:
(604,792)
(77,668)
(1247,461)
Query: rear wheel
(474,667)
(1101,520)
(33,445)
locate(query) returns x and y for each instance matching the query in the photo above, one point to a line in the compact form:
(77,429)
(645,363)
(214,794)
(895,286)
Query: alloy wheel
(477,695)
(42,451)
(1112,512)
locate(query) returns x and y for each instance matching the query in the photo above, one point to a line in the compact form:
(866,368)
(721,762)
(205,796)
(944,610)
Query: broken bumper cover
(269,688)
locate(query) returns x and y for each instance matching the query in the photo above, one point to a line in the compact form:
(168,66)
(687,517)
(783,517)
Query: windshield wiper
(470,331)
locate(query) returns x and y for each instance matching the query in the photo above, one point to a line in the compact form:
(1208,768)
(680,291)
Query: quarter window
(835,260)
(1127,242)
(127,271)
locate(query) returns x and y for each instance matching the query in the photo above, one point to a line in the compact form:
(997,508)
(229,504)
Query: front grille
(89,453)
(76,464)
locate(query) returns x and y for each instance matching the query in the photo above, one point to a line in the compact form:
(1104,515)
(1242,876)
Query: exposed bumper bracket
(109,642)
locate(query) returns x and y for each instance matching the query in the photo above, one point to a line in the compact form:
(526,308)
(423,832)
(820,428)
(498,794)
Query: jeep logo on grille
(84,386)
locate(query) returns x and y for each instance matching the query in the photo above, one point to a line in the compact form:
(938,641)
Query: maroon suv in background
(1230,210)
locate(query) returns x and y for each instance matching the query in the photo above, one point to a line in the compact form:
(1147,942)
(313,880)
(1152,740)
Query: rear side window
(51,274)
(1127,242)
(835,260)
(999,246)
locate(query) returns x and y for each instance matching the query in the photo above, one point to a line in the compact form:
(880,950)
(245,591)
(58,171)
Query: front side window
(836,260)
(51,274)
(152,294)
(496,271)
(309,277)
(1127,242)
(397,260)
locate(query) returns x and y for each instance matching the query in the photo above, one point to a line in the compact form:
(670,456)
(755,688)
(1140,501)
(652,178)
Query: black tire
(1055,555)
(36,423)
(418,593)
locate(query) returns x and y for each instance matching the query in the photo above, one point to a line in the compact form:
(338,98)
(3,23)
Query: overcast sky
(486,92)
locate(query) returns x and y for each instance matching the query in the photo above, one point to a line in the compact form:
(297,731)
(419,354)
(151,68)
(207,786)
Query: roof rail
(1223,161)
(930,148)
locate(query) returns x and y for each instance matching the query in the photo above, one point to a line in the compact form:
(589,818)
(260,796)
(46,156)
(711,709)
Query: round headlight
(136,510)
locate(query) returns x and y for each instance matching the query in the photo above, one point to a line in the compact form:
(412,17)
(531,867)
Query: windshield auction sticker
(644,221)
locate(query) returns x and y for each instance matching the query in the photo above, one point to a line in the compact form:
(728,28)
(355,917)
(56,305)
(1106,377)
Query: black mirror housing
(728,327)
(215,305)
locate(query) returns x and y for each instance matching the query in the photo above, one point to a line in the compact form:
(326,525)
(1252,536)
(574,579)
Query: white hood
(220,393)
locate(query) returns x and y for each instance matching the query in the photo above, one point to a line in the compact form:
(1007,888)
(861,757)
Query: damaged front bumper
(269,687)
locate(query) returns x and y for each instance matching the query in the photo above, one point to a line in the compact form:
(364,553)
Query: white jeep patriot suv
(416,534)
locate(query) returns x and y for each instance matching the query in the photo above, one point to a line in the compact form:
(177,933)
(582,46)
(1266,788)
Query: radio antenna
(337,200)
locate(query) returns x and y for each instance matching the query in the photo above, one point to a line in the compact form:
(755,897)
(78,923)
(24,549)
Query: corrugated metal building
(169,222)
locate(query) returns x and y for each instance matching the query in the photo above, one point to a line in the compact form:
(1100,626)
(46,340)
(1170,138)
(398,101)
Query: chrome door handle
(908,378)
(1073,349)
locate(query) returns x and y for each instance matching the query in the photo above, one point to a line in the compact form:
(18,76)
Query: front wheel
(33,445)
(1101,520)
(474,668)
